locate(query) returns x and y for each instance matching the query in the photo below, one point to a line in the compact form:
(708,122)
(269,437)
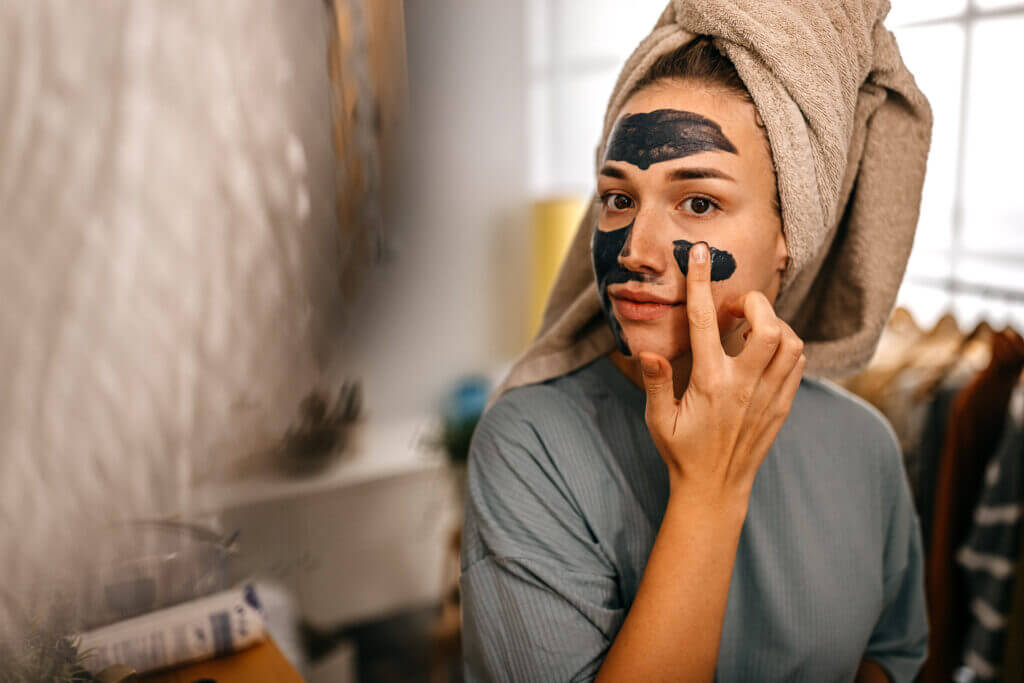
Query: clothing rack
(951,437)
(956,286)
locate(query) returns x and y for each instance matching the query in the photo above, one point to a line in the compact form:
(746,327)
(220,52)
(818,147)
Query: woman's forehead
(646,138)
(681,124)
(734,116)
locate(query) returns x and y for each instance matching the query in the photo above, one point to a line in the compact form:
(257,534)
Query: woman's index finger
(705,342)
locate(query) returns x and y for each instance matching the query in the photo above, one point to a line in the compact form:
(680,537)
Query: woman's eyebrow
(612,172)
(691,173)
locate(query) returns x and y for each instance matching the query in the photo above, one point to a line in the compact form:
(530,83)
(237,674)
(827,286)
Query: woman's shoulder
(846,420)
(551,425)
(560,401)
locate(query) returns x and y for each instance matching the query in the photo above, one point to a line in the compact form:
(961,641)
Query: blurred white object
(169,258)
(210,627)
(281,620)
(365,539)
(152,565)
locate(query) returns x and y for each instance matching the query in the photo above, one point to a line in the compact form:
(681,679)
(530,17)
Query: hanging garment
(929,455)
(926,453)
(976,425)
(988,558)
(1013,650)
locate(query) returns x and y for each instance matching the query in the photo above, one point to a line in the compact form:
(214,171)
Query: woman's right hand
(715,437)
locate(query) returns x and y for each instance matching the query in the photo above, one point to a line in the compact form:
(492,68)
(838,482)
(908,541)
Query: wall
(447,302)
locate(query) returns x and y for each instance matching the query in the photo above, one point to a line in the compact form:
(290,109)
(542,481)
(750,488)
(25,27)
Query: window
(968,255)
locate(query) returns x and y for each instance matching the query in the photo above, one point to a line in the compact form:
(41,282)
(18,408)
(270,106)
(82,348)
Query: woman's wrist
(727,505)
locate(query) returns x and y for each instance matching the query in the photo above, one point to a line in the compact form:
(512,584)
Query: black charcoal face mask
(644,139)
(662,135)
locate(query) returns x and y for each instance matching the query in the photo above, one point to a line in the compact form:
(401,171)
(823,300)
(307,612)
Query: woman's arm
(674,626)
(713,441)
(870,672)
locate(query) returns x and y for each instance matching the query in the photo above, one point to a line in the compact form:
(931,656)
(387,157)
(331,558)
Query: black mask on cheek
(605,247)
(722,263)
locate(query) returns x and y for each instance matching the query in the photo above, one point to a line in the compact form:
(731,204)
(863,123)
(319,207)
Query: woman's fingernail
(649,367)
(700,252)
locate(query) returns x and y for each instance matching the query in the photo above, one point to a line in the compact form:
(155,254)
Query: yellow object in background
(554,224)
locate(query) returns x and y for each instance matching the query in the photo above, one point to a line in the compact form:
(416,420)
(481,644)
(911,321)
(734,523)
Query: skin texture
(718,367)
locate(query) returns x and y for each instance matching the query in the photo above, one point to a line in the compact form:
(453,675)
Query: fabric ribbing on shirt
(988,559)
(565,495)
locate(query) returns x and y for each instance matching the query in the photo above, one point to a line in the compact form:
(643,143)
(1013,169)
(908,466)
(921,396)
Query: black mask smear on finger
(650,137)
(605,247)
(723,264)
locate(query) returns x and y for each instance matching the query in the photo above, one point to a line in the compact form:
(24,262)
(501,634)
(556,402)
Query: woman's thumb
(657,383)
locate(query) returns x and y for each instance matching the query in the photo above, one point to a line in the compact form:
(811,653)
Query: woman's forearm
(674,627)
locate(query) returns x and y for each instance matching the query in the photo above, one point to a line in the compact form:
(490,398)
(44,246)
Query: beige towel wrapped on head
(849,132)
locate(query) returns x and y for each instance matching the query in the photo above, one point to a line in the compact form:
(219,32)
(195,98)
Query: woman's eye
(700,205)
(615,201)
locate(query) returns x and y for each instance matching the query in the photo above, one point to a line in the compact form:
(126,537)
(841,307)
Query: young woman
(687,505)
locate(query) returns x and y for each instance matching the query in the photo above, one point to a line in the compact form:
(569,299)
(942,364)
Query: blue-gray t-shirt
(565,495)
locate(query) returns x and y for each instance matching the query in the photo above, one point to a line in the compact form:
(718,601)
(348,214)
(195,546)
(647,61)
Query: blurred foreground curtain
(175,276)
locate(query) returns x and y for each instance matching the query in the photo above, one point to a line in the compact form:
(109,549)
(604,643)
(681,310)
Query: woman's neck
(630,367)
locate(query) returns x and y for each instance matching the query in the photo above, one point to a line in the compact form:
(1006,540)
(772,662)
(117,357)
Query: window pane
(926,303)
(998,271)
(908,11)
(993,191)
(970,309)
(998,4)
(580,115)
(934,55)
(993,270)
(604,29)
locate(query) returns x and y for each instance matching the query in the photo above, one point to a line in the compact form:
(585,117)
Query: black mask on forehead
(649,137)
(644,139)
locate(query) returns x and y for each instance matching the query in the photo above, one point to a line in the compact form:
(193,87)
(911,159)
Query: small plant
(321,428)
(41,656)
(463,408)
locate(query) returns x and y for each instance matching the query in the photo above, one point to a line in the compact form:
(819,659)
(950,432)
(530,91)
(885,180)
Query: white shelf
(361,540)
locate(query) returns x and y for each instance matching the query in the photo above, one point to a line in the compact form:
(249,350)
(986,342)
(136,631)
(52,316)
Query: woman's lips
(634,310)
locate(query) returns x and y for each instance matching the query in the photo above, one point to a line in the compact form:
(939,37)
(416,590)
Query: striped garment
(989,558)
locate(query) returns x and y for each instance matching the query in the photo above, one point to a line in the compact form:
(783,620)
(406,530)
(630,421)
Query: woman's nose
(644,249)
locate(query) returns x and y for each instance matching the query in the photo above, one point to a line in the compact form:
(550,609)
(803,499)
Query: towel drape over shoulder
(849,132)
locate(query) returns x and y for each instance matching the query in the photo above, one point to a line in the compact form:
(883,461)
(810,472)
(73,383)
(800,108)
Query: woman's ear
(782,259)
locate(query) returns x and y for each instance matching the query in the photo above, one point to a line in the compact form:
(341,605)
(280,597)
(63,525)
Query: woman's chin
(670,350)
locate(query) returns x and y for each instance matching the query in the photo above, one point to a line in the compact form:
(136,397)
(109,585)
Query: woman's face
(683,164)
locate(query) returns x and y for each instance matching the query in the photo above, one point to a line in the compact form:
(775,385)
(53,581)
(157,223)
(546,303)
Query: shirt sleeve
(899,642)
(540,599)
